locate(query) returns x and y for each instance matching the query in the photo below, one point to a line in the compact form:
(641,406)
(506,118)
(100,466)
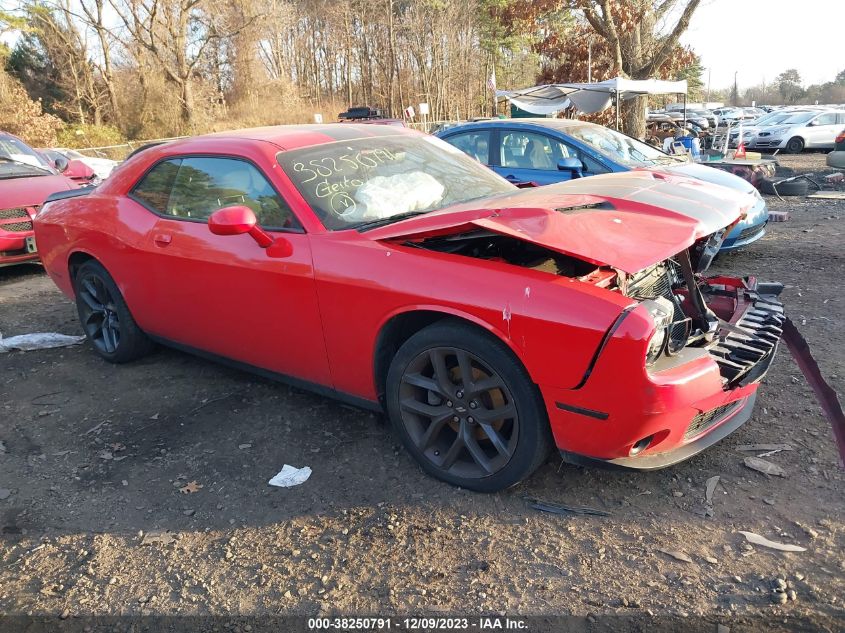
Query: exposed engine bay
(739,327)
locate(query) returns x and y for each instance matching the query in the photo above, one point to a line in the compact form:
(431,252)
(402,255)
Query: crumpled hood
(31,191)
(711,175)
(707,200)
(634,222)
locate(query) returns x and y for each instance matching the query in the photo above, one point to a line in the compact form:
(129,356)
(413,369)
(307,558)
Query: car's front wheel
(795,145)
(466,409)
(105,318)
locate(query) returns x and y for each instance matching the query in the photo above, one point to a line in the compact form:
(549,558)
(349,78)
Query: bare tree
(641,39)
(65,44)
(176,33)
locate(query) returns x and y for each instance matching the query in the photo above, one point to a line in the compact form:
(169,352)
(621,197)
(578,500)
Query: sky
(759,39)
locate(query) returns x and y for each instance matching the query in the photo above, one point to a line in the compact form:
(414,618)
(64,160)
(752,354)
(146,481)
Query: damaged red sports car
(384,267)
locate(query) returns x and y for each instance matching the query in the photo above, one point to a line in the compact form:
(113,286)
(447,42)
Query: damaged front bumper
(682,405)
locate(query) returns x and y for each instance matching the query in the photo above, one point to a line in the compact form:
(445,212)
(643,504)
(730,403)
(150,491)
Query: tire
(787,188)
(484,440)
(105,318)
(795,145)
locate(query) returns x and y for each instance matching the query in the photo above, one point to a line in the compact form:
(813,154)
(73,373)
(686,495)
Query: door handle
(162,239)
(511,178)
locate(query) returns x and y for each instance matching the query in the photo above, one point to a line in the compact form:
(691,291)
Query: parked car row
(390,269)
(791,131)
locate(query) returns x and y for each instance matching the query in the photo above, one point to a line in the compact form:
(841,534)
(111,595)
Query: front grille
(8,214)
(707,419)
(16,227)
(748,347)
(744,234)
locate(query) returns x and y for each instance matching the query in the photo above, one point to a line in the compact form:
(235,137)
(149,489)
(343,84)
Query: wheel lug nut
(473,404)
(456,419)
(460,394)
(448,403)
(471,420)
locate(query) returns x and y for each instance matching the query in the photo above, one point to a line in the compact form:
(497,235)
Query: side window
(154,189)
(840,117)
(204,185)
(526,150)
(591,165)
(474,144)
(826,119)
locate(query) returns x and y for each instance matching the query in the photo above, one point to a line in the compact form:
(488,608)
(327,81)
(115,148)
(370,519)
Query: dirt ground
(98,460)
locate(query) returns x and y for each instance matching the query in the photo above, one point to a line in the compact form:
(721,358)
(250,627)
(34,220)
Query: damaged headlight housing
(662,311)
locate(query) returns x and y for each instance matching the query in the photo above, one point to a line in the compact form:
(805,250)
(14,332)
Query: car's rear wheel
(466,409)
(795,145)
(105,318)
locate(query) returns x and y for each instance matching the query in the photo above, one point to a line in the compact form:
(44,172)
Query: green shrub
(75,136)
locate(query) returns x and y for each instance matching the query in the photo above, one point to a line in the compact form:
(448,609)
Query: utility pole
(736,90)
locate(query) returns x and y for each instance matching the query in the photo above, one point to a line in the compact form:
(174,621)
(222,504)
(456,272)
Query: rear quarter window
(154,189)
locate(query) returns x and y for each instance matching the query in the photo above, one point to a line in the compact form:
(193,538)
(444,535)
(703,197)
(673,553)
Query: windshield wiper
(9,159)
(366,226)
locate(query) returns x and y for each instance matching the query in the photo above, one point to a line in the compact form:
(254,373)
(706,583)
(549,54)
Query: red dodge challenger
(386,268)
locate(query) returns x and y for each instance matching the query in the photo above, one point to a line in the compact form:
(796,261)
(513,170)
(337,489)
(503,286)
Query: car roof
(555,124)
(287,137)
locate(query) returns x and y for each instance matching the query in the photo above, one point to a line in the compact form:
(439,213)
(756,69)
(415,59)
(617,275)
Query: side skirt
(305,385)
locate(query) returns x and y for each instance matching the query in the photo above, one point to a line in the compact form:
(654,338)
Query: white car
(101,166)
(751,128)
(816,130)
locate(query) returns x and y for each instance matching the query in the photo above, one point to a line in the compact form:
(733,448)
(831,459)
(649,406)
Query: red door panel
(225,295)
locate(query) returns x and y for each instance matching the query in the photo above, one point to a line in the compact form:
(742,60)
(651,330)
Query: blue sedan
(546,151)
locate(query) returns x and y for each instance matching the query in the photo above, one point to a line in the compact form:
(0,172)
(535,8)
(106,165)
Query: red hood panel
(623,239)
(630,236)
(627,240)
(712,205)
(30,192)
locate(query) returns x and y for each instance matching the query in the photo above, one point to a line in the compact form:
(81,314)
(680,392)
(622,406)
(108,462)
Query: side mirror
(573,165)
(232,221)
(61,163)
(238,220)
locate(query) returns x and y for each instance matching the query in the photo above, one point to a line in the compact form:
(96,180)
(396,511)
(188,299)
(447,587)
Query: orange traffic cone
(740,151)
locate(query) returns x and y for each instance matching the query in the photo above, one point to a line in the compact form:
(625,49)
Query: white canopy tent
(589,97)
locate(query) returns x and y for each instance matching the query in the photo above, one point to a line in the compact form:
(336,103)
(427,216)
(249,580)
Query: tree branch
(671,41)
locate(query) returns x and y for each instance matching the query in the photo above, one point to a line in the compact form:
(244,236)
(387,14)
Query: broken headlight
(661,310)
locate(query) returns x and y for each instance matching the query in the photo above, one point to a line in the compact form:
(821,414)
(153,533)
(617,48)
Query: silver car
(802,130)
(750,129)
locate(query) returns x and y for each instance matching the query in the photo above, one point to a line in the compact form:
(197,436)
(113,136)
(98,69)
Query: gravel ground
(142,490)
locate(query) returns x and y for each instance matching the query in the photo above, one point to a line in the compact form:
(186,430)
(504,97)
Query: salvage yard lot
(95,457)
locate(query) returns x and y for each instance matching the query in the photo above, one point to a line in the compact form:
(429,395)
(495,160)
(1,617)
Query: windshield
(352,183)
(18,159)
(801,117)
(618,147)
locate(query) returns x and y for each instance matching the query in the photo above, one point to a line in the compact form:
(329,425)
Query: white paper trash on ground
(38,340)
(290,476)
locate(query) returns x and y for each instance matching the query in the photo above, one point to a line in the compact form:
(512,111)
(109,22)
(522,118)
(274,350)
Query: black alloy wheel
(98,314)
(105,318)
(466,409)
